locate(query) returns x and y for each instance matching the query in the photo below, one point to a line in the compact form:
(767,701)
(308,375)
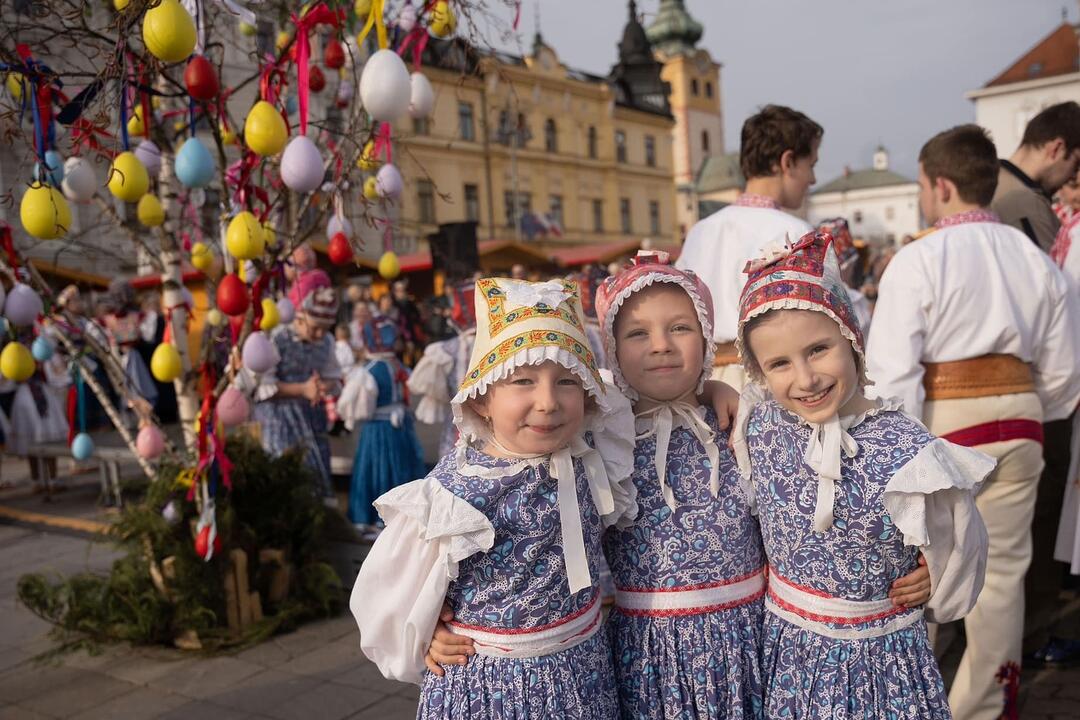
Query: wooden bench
(108,459)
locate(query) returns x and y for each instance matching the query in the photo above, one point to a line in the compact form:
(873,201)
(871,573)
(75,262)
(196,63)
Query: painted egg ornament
(258,353)
(200,79)
(128,179)
(194,164)
(42,349)
(80,180)
(340,250)
(388,182)
(16,362)
(371,188)
(362,8)
(389,267)
(228,137)
(344,94)
(44,212)
(406,19)
(23,305)
(422,97)
(215,317)
(82,447)
(367,160)
(385,88)
(168,31)
(15,85)
(291,105)
(244,237)
(149,155)
(149,211)
(135,124)
(286,310)
(264,130)
(248,30)
(338,224)
(150,443)
(171,512)
(202,544)
(302,165)
(232,295)
(333,55)
(53,171)
(165,363)
(443,20)
(232,407)
(282,40)
(270,316)
(202,257)
(316,79)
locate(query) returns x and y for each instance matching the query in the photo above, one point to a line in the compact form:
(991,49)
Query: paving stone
(206,677)
(366,676)
(392,708)
(327,701)
(30,679)
(316,635)
(86,690)
(264,691)
(14,712)
(139,703)
(203,710)
(143,668)
(331,659)
(268,654)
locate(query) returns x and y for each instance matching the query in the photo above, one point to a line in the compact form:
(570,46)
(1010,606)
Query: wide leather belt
(977,377)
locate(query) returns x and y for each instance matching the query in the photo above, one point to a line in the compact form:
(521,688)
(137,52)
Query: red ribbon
(8,245)
(318,15)
(420,35)
(83,132)
(43,97)
(382,141)
(517,14)
(256,298)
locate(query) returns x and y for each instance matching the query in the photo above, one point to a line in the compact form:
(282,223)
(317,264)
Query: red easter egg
(333,55)
(232,295)
(340,250)
(202,542)
(200,78)
(316,79)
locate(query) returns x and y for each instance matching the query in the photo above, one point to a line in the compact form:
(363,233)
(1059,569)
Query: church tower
(694,78)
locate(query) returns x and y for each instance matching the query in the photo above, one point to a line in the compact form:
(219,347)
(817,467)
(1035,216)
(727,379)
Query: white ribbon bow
(667,416)
(823,455)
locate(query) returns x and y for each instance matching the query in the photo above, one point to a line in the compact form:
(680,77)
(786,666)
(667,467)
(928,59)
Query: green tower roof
(673,31)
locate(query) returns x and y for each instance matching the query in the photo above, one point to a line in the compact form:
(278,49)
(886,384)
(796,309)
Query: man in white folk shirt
(976,330)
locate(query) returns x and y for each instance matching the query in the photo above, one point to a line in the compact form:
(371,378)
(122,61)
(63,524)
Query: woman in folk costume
(589,280)
(848,491)
(289,397)
(388,453)
(123,325)
(439,373)
(507,529)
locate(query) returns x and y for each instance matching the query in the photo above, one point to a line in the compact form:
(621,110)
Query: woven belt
(560,635)
(726,354)
(977,377)
(996,431)
(692,600)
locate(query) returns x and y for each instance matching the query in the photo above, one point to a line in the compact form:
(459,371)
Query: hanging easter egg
(15,86)
(385,87)
(194,164)
(362,8)
(388,182)
(202,544)
(128,179)
(247,29)
(82,447)
(202,257)
(44,212)
(149,211)
(344,94)
(171,512)
(149,155)
(286,310)
(302,165)
(215,317)
(291,105)
(120,5)
(23,305)
(16,362)
(389,267)
(232,407)
(443,20)
(316,79)
(422,97)
(80,180)
(165,363)
(42,349)
(270,234)
(264,130)
(338,224)
(367,160)
(340,250)
(270,316)
(53,170)
(282,40)
(244,238)
(228,137)
(168,31)
(232,295)
(333,55)
(200,79)
(258,354)
(135,124)
(150,443)
(371,188)
(406,19)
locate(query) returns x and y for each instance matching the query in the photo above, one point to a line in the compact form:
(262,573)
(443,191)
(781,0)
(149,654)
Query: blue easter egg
(41,349)
(82,447)
(53,172)
(194,165)
(290,105)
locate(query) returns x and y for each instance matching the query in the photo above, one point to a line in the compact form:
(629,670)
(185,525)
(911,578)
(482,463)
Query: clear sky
(870,71)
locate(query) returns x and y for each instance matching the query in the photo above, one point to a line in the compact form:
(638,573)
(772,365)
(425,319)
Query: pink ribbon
(382,141)
(420,35)
(318,15)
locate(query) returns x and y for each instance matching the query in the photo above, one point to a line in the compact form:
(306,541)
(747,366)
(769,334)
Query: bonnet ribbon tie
(823,455)
(667,416)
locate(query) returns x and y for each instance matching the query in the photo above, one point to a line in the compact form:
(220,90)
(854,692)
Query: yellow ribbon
(375,17)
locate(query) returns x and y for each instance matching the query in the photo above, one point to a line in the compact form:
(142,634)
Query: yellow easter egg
(362,8)
(44,212)
(282,41)
(443,20)
(120,5)
(169,31)
(248,30)
(215,317)
(16,362)
(135,122)
(270,317)
(165,364)
(264,130)
(371,188)
(228,137)
(244,237)
(14,85)
(149,211)
(389,267)
(128,179)
(202,257)
(367,160)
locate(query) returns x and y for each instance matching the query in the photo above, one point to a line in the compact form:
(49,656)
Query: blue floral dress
(703,663)
(863,670)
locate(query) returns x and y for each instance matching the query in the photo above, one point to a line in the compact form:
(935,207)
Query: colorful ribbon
(374,18)
(318,15)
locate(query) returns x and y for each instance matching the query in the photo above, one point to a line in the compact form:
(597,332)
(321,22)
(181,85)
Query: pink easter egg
(258,353)
(232,407)
(150,443)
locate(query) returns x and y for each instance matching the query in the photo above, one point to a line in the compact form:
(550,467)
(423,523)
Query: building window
(624,215)
(650,151)
(472,202)
(889,213)
(654,217)
(425,196)
(694,87)
(466,124)
(708,89)
(551,136)
(705,141)
(857,216)
(521,132)
(598,215)
(524,206)
(421,126)
(592,142)
(620,146)
(555,211)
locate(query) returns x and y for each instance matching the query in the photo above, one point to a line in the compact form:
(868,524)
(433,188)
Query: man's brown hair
(769,134)
(965,155)
(1057,121)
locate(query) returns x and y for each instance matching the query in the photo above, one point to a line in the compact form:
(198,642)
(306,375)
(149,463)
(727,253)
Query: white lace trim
(552,293)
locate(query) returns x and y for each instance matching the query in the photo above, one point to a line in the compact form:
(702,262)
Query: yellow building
(588,158)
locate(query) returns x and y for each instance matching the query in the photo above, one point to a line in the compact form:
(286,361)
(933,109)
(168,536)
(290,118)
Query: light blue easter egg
(42,349)
(53,172)
(82,447)
(194,165)
(290,105)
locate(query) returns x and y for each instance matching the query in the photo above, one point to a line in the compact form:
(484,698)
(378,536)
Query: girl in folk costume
(388,453)
(507,528)
(289,397)
(439,373)
(848,490)
(123,322)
